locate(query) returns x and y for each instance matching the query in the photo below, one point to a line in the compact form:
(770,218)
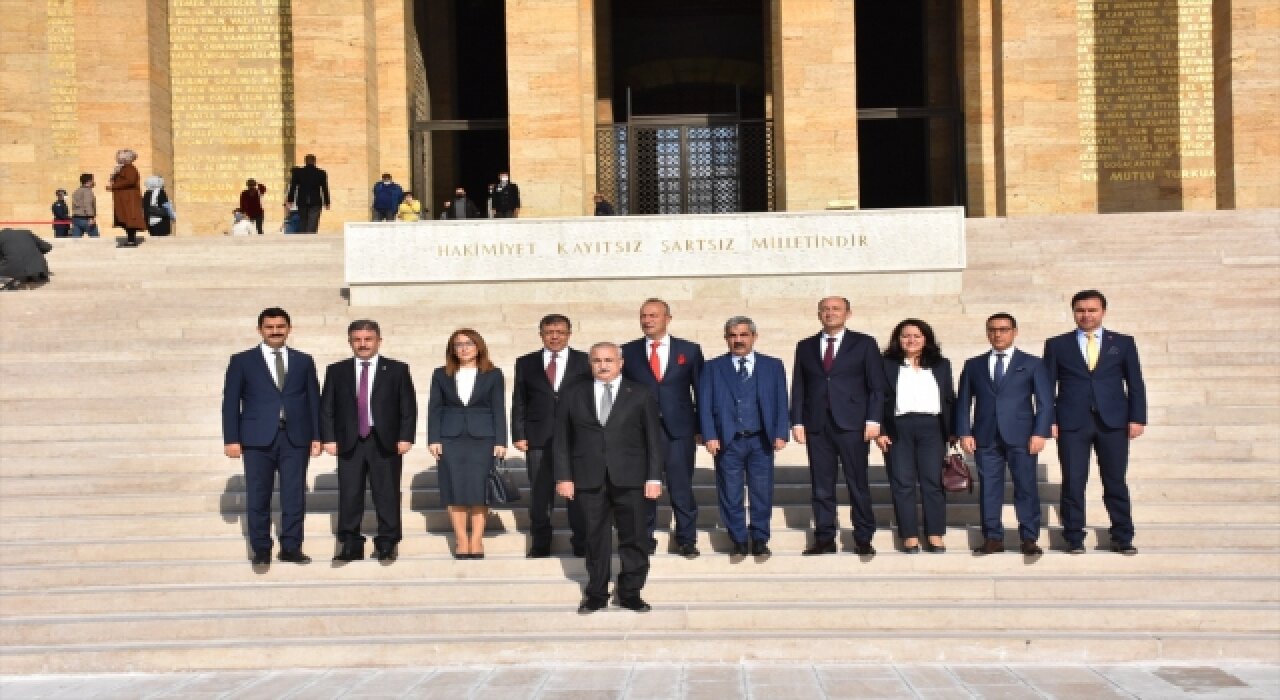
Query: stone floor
(663,681)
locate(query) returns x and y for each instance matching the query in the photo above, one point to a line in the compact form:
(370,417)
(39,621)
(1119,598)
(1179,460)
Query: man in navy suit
(271,418)
(1101,405)
(837,400)
(743,414)
(541,379)
(670,368)
(368,415)
(1011,400)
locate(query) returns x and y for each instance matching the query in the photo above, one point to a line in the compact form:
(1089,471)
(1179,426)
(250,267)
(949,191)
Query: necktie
(281,375)
(655,362)
(742,369)
(999,371)
(829,357)
(1091,350)
(362,399)
(551,370)
(606,403)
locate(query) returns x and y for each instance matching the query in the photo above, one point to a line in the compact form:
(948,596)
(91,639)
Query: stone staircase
(123,544)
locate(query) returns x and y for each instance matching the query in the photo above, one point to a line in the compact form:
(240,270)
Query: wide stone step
(382,590)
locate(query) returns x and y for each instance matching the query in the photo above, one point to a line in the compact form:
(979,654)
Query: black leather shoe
(935,548)
(1075,549)
(738,551)
(590,605)
(634,603)
(911,548)
(538,553)
(294,555)
(1031,549)
(262,557)
(349,553)
(825,547)
(864,549)
(580,551)
(761,549)
(387,554)
(1126,548)
(990,547)
(689,551)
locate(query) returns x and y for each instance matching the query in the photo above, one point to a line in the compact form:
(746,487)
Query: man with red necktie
(670,368)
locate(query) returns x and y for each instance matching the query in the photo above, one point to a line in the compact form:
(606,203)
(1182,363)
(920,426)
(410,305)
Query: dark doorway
(465,140)
(909,117)
(682,91)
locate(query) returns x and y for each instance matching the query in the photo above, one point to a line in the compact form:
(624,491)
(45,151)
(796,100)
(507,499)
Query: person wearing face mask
(918,412)
(460,208)
(387,196)
(506,198)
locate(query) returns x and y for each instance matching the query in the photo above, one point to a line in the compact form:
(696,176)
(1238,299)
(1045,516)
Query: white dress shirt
(991,361)
(664,351)
(373,373)
(562,358)
(466,380)
(269,354)
(917,391)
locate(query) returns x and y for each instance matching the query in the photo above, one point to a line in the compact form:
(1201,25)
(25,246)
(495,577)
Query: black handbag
(499,487)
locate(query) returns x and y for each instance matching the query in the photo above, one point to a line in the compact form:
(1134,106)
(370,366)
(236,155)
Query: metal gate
(686,166)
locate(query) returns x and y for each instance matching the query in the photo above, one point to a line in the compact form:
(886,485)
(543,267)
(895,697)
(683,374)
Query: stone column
(551,104)
(815,103)
(982,76)
(335,61)
(1250,70)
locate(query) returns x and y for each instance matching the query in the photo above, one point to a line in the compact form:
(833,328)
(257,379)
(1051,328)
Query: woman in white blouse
(916,429)
(466,430)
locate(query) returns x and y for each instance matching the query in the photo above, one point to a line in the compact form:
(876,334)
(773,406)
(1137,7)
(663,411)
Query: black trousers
(310,218)
(257,222)
(367,461)
(627,508)
(542,500)
(828,448)
(916,457)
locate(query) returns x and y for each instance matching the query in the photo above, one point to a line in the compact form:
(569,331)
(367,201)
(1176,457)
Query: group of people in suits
(607,429)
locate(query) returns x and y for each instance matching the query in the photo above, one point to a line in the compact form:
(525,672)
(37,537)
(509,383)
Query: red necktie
(551,371)
(829,357)
(362,399)
(655,362)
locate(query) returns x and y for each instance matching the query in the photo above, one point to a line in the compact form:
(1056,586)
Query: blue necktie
(742,369)
(999,373)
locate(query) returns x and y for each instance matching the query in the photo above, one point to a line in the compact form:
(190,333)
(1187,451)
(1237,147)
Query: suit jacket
(628,448)
(22,254)
(854,390)
(506,198)
(1114,387)
(472,211)
(946,397)
(394,405)
(251,402)
(716,400)
(309,187)
(1008,411)
(485,416)
(533,401)
(677,393)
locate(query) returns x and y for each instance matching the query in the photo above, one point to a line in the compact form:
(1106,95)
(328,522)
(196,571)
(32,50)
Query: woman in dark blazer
(916,429)
(466,430)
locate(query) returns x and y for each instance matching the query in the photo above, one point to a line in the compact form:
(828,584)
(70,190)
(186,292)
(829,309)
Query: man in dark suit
(837,399)
(1012,403)
(743,414)
(1101,405)
(506,198)
(608,456)
(368,414)
(669,368)
(271,418)
(542,376)
(309,190)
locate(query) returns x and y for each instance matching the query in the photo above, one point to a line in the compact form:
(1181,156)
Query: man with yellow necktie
(1101,405)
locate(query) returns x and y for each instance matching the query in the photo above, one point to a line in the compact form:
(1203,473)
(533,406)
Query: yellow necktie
(1091,351)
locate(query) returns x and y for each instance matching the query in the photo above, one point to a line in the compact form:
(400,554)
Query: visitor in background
(157,207)
(126,197)
(410,208)
(603,207)
(240,224)
(387,197)
(61,212)
(251,202)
